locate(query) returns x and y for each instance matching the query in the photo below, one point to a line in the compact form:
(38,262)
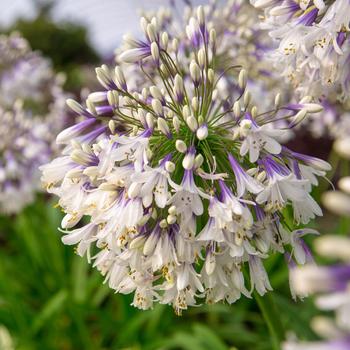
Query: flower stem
(271,316)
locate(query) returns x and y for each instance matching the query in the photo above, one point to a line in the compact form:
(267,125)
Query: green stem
(271,316)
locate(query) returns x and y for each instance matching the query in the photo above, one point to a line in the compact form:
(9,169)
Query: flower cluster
(314,43)
(331,284)
(173,189)
(32,107)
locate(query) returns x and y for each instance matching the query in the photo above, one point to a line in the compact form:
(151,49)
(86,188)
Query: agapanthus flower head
(314,43)
(23,149)
(183,187)
(32,109)
(330,284)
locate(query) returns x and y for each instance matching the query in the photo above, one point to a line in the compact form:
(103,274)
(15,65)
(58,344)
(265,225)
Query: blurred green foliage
(65,43)
(51,299)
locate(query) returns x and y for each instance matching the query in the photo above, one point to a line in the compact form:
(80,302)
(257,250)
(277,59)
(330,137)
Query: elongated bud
(143,24)
(113,98)
(155,52)
(242,79)
(201,58)
(151,32)
(195,73)
(200,15)
(98,96)
(120,79)
(163,127)
(211,75)
(176,124)
(192,123)
(247,98)
(141,116)
(112,125)
(150,120)
(254,112)
(299,117)
(157,107)
(278,99)
(145,94)
(103,77)
(164,40)
(198,161)
(194,103)
(237,109)
(186,111)
(313,107)
(75,106)
(212,37)
(181,146)
(178,88)
(155,92)
(175,45)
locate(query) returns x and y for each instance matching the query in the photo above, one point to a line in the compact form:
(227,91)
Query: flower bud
(157,107)
(164,40)
(176,124)
(155,52)
(171,219)
(202,132)
(180,146)
(156,93)
(172,210)
(163,127)
(188,160)
(237,109)
(150,120)
(192,123)
(211,75)
(195,72)
(169,166)
(198,161)
(201,58)
(120,79)
(242,79)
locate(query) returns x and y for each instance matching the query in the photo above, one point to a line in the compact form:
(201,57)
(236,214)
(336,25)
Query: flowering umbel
(173,189)
(32,105)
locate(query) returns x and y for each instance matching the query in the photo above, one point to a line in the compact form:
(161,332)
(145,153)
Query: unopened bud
(169,166)
(202,132)
(192,123)
(181,146)
(242,79)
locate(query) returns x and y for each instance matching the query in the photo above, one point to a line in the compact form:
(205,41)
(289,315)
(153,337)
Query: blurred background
(51,299)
